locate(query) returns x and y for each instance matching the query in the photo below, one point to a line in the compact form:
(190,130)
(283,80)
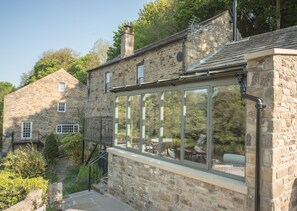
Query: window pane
(133,129)
(151,123)
(140,74)
(120,121)
(62,86)
(228,130)
(171,125)
(195,139)
(26,130)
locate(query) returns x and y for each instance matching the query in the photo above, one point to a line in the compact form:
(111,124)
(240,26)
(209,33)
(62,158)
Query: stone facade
(160,61)
(149,185)
(37,103)
(272,77)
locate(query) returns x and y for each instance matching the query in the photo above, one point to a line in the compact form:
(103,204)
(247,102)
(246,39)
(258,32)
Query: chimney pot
(127,42)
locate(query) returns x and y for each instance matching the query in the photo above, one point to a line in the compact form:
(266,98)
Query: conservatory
(199,125)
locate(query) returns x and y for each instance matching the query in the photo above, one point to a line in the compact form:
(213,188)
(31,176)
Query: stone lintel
(269,52)
(217,180)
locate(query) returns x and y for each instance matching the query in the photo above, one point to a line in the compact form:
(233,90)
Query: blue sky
(30,27)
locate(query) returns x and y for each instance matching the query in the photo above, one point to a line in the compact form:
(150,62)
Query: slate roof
(232,54)
(158,44)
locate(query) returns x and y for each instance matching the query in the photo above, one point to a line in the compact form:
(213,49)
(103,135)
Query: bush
(51,148)
(51,176)
(14,189)
(26,163)
(71,144)
(77,178)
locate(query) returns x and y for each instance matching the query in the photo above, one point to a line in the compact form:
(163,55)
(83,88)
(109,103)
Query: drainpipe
(234,20)
(259,106)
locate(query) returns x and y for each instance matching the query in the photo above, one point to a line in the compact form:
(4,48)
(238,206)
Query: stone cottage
(53,104)
(201,121)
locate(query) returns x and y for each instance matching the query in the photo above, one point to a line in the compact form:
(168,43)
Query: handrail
(102,162)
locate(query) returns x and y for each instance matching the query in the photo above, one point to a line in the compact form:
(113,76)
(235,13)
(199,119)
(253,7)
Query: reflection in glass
(228,130)
(133,122)
(120,121)
(151,123)
(195,114)
(171,125)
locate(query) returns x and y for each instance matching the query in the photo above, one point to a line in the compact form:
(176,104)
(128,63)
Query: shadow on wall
(46,117)
(293,200)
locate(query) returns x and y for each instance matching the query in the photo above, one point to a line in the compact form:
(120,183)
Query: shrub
(26,163)
(71,144)
(77,178)
(51,148)
(14,189)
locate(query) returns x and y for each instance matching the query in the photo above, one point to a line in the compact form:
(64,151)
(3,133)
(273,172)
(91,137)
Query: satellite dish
(7,134)
(179,56)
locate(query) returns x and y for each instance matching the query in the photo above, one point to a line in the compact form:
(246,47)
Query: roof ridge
(290,28)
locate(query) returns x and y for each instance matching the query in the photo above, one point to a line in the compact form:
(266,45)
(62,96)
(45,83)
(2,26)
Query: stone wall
(37,103)
(160,62)
(146,185)
(272,77)
(205,40)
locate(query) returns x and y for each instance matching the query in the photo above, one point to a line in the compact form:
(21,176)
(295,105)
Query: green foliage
(25,163)
(5,88)
(71,144)
(51,148)
(77,178)
(115,49)
(228,120)
(51,176)
(14,188)
(50,62)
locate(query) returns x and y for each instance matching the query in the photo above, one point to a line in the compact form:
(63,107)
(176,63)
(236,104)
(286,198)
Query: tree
(96,56)
(52,61)
(51,149)
(115,49)
(5,88)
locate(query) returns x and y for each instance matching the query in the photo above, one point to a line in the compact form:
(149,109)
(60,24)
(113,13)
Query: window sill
(217,180)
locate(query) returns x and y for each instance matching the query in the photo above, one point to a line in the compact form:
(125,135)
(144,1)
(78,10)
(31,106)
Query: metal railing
(98,168)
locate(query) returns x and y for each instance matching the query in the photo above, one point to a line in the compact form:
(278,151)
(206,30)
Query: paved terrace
(93,201)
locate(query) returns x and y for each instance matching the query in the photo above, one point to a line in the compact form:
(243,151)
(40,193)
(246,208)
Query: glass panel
(151,123)
(120,121)
(228,130)
(133,114)
(140,74)
(195,140)
(171,125)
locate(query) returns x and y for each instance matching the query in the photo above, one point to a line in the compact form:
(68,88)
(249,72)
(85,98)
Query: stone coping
(217,180)
(273,51)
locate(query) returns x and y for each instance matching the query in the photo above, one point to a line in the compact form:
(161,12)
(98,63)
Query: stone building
(187,133)
(52,104)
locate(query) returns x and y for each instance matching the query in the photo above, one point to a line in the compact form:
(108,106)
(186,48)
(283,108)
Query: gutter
(259,106)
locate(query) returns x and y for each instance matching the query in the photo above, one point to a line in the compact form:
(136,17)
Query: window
(140,74)
(62,86)
(197,126)
(61,107)
(67,128)
(107,82)
(120,121)
(26,130)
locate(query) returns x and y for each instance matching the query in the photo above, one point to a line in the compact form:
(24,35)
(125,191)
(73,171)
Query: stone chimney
(127,42)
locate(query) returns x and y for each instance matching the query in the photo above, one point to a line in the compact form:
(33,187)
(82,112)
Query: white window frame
(62,86)
(107,77)
(140,74)
(26,126)
(61,107)
(62,128)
